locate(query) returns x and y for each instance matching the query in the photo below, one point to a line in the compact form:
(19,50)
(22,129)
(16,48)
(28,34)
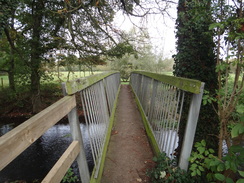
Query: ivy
(195,59)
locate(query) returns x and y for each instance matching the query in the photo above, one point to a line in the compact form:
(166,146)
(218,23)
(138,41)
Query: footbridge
(111,113)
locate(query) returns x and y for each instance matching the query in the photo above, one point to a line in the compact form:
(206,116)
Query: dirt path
(129,153)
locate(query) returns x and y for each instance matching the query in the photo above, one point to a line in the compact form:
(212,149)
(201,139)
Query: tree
(195,59)
(43,27)
(7,11)
(229,36)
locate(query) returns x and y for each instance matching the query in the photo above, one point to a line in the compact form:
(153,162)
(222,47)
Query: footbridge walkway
(127,125)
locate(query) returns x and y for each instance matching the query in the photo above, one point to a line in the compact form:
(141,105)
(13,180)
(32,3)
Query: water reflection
(36,161)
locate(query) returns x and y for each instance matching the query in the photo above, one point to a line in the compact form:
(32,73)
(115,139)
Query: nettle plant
(227,169)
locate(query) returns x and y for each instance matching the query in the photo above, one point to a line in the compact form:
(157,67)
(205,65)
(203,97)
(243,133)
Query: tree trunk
(195,59)
(37,15)
(11,74)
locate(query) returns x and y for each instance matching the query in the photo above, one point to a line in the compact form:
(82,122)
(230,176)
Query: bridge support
(76,135)
(190,129)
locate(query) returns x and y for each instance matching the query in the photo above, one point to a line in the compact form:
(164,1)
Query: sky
(161,30)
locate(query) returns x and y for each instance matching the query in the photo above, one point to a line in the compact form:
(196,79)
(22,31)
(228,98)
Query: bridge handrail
(189,85)
(98,95)
(20,138)
(77,85)
(160,99)
(17,140)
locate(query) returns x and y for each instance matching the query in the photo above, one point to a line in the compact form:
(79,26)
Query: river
(36,161)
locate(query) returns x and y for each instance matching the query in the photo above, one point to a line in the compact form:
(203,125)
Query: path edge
(111,124)
(149,132)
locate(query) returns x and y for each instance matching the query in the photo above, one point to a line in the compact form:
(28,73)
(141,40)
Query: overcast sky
(161,30)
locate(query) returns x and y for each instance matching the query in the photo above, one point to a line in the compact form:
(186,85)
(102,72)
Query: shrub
(166,171)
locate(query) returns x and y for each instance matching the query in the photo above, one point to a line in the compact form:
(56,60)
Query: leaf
(235,131)
(236,148)
(201,168)
(193,173)
(221,167)
(242,118)
(209,176)
(206,153)
(211,150)
(240,181)
(201,149)
(214,163)
(229,180)
(203,142)
(241,173)
(227,165)
(155,159)
(219,176)
(198,172)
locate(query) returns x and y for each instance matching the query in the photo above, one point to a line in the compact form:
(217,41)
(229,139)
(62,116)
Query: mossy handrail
(77,85)
(185,84)
(160,99)
(99,94)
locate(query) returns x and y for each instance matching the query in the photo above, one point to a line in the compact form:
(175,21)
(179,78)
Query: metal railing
(161,98)
(98,96)
(99,91)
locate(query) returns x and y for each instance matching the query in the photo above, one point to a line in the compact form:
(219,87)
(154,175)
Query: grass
(4,81)
(73,75)
(63,77)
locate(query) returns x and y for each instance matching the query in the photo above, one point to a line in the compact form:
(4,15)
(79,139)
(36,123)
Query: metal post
(152,102)
(76,135)
(190,128)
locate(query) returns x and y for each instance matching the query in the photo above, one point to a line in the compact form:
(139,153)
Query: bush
(166,171)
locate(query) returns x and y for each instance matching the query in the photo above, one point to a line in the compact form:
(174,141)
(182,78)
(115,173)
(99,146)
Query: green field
(63,76)
(3,81)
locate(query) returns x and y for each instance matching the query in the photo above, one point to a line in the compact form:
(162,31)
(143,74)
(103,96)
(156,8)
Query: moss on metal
(82,83)
(189,85)
(111,123)
(149,132)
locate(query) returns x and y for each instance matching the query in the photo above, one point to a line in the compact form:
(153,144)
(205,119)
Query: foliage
(166,171)
(227,169)
(227,26)
(195,59)
(70,177)
(121,49)
(34,31)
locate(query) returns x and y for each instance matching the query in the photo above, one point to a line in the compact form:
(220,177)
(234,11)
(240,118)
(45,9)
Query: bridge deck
(129,153)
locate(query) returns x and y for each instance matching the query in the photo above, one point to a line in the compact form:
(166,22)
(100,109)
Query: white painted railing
(161,98)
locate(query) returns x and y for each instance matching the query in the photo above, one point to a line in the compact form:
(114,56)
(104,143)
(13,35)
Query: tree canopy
(33,31)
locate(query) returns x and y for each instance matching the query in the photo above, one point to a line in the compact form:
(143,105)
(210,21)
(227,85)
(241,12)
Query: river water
(37,160)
